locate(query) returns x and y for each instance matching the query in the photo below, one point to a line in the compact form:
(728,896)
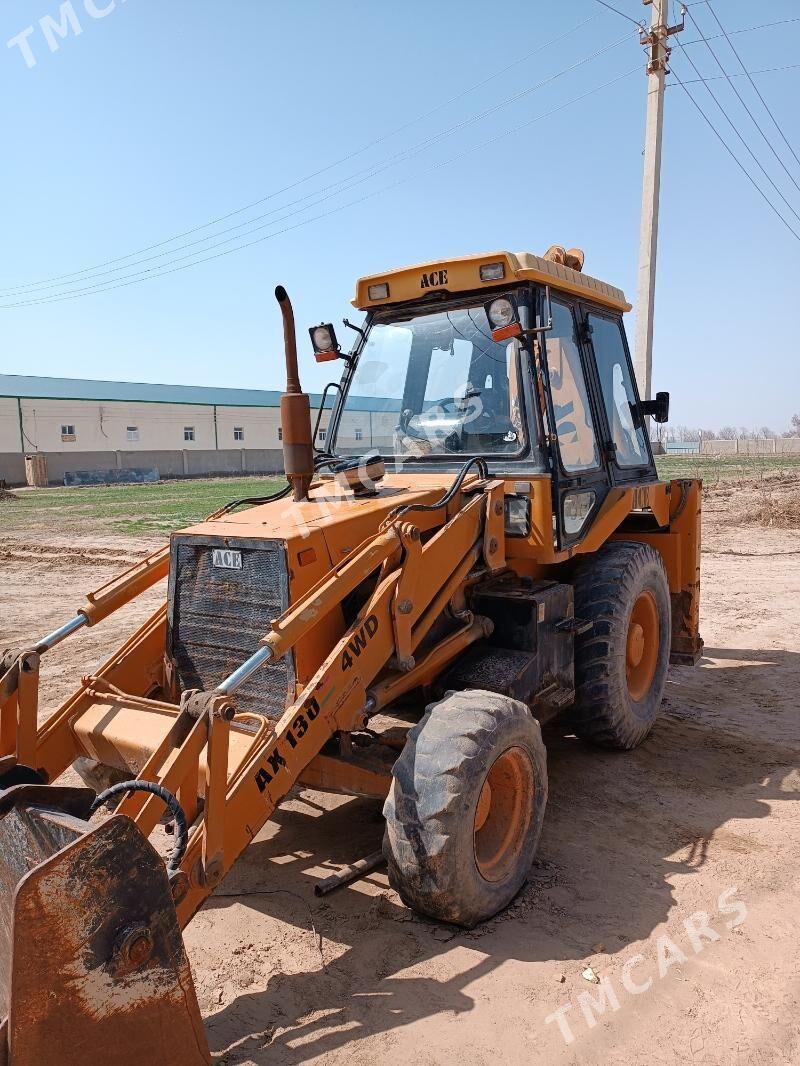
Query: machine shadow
(619,828)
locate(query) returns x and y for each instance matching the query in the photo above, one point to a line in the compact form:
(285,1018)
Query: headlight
(323,337)
(503,317)
(501,312)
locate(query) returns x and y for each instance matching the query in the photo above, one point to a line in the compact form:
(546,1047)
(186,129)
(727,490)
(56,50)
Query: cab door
(625,440)
(580,474)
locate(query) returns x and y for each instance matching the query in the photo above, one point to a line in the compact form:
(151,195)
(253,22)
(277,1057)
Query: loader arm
(337,697)
(204,746)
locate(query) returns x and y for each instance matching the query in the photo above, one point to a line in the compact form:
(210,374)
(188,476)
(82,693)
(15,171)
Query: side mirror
(658,409)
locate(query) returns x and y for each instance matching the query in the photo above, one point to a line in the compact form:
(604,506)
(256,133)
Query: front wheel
(466,806)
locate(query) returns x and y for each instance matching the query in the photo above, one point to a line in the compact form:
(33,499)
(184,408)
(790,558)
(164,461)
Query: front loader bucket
(93,971)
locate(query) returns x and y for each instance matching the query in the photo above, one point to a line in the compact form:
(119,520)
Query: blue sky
(159,117)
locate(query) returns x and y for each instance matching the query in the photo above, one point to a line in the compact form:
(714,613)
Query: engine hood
(332,516)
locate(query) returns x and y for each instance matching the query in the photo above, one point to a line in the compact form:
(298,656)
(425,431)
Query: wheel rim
(504,813)
(641,652)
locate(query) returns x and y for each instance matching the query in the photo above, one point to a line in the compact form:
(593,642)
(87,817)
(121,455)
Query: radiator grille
(218,616)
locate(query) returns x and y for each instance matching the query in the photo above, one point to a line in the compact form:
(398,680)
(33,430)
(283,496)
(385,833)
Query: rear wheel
(621,665)
(465,810)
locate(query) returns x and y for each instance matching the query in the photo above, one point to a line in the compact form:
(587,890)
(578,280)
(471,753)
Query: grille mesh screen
(218,617)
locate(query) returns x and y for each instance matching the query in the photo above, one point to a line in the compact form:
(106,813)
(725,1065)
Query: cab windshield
(434,384)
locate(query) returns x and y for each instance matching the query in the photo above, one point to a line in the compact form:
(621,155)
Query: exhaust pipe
(298,452)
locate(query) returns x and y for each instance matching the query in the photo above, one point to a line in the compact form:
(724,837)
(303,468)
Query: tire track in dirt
(12,551)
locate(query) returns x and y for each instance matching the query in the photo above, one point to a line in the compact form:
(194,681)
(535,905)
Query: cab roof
(463,275)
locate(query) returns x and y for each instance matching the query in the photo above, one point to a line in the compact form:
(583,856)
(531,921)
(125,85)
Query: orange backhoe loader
(481,544)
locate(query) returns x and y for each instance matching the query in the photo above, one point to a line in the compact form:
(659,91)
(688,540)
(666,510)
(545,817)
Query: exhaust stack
(298,452)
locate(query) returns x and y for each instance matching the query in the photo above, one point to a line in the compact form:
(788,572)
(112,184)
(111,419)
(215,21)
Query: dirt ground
(702,818)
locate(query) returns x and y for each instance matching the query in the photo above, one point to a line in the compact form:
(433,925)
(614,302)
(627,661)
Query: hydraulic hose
(251,501)
(476,460)
(171,802)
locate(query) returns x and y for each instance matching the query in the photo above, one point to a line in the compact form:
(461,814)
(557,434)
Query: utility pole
(658,55)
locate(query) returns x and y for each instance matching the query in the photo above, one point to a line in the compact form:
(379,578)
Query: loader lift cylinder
(50,641)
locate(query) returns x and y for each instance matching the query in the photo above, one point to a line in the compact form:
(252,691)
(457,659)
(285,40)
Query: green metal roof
(42,388)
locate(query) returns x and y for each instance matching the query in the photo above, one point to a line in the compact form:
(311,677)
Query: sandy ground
(702,818)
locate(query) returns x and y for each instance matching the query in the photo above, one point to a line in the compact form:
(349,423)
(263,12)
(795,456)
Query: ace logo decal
(433,280)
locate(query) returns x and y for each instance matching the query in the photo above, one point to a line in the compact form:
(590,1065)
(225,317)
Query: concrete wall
(780,446)
(170,464)
(59,462)
(12,468)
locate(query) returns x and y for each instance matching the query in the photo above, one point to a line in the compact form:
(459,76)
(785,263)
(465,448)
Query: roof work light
(323,338)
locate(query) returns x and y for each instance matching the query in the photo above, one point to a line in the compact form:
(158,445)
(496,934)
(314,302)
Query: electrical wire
(744,29)
(734,157)
(616,10)
(741,100)
(755,87)
(167,269)
(736,130)
(722,77)
(316,173)
(343,186)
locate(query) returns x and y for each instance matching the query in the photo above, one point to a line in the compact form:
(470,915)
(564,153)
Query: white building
(182,430)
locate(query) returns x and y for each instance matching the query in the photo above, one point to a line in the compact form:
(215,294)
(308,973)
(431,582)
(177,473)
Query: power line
(724,77)
(736,160)
(735,129)
(339,188)
(122,283)
(741,100)
(314,174)
(616,10)
(745,29)
(716,36)
(761,98)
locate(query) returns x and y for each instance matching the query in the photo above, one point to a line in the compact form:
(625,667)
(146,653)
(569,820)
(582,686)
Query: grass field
(131,509)
(143,509)
(714,468)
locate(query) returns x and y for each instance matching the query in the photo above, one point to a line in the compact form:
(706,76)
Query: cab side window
(619,394)
(573,417)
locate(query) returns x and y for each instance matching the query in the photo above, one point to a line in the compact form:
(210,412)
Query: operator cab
(520,359)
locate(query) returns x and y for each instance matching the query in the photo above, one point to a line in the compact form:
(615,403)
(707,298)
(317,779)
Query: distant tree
(767,433)
(728,433)
(708,434)
(795,424)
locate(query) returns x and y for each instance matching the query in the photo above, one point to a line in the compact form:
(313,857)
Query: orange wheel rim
(641,651)
(503,813)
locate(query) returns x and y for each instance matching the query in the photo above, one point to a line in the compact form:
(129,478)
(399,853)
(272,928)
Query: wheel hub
(503,813)
(635,645)
(641,651)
